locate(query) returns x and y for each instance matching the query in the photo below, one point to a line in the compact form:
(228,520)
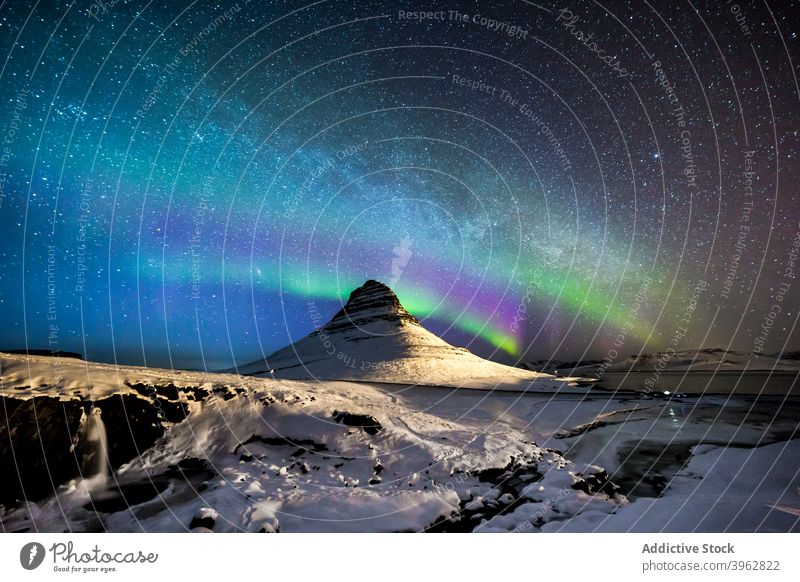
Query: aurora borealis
(185,183)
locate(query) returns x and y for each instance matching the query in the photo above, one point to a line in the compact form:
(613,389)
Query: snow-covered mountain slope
(374,339)
(193,451)
(708,360)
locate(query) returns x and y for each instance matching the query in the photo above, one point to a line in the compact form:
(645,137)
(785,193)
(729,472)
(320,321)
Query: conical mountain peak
(372,302)
(374,339)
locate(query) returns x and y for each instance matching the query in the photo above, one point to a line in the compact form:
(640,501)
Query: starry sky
(187,184)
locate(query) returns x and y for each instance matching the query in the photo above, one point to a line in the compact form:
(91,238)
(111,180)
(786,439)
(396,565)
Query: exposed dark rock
(206,522)
(305,445)
(37,437)
(199,394)
(369,424)
(228,393)
(168,391)
(372,301)
(599,482)
(648,466)
(36,454)
(188,465)
(508,483)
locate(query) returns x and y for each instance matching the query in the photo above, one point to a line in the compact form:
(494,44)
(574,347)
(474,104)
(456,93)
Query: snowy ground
(230,453)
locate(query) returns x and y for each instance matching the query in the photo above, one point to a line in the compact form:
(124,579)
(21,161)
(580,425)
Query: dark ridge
(373,301)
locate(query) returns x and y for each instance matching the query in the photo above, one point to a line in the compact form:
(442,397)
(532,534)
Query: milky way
(191,183)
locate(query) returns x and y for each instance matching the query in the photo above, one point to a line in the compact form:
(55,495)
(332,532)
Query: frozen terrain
(231,453)
(705,371)
(711,359)
(422,437)
(189,451)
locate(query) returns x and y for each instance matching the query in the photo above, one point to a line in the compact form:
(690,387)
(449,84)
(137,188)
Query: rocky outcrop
(39,437)
(371,302)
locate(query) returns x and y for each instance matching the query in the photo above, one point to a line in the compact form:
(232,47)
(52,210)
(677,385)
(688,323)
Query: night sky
(187,183)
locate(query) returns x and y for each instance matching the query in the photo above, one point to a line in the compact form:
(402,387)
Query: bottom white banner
(398,556)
